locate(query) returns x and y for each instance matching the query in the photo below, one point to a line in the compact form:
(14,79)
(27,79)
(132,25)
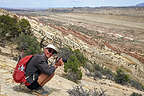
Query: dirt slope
(58,86)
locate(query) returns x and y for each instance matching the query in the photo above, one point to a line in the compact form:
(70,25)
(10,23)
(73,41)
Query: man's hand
(59,63)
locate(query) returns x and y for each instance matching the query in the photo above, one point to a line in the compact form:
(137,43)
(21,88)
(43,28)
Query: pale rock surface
(58,86)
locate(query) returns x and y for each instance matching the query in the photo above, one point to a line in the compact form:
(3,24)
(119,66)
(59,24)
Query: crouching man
(38,71)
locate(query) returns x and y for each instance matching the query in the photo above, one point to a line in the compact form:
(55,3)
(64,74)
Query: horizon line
(68,7)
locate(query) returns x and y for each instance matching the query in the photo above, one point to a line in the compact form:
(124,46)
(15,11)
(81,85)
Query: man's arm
(59,63)
(46,69)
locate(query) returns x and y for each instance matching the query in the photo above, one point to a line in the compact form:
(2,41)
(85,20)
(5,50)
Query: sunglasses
(52,51)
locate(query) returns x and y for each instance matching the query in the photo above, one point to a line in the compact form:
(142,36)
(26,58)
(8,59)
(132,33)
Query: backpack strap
(28,63)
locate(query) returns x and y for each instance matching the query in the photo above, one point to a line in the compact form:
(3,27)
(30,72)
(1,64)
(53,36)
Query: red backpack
(19,72)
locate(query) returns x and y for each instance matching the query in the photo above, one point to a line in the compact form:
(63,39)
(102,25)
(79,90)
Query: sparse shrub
(97,74)
(121,77)
(135,94)
(80,91)
(89,66)
(97,67)
(98,71)
(95,92)
(104,71)
(124,79)
(108,73)
(110,76)
(53,22)
(81,29)
(74,76)
(136,85)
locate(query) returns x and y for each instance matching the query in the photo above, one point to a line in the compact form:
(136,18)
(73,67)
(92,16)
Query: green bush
(29,44)
(135,94)
(80,57)
(20,32)
(8,27)
(72,66)
(121,77)
(25,27)
(11,28)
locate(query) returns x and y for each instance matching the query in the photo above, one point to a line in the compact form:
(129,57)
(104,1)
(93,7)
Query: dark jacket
(37,65)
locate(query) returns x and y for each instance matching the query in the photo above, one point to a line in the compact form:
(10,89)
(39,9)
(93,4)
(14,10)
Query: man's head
(49,50)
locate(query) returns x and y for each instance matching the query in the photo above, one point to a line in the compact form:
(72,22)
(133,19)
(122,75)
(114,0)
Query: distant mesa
(140,5)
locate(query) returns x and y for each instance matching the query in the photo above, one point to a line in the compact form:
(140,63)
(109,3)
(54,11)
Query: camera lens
(64,60)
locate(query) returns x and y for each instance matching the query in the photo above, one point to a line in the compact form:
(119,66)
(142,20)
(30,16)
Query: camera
(64,53)
(63,59)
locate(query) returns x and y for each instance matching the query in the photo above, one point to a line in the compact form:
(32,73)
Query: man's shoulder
(39,57)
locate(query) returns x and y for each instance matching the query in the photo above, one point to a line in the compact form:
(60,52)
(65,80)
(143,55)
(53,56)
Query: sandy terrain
(96,18)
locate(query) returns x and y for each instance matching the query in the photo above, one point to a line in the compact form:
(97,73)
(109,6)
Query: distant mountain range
(71,9)
(140,4)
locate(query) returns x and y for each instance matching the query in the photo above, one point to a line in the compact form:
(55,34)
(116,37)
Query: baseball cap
(51,46)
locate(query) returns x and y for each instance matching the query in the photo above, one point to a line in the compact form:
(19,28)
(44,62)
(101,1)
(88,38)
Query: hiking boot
(22,87)
(40,91)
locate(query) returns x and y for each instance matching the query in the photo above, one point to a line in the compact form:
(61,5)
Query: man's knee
(45,75)
(42,77)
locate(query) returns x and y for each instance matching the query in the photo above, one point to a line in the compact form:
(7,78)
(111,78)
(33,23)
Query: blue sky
(65,3)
